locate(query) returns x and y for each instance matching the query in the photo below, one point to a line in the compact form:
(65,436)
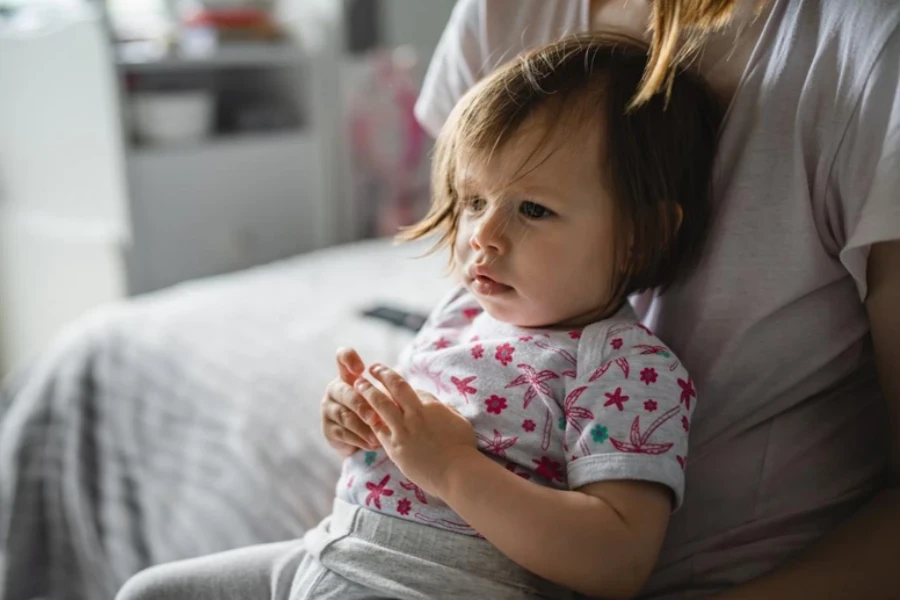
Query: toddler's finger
(344,395)
(391,418)
(342,438)
(426,397)
(347,437)
(350,365)
(344,450)
(396,386)
(349,420)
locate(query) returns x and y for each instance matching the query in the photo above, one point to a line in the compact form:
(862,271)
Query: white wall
(62,190)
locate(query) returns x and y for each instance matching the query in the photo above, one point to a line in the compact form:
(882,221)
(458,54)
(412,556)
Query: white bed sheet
(187,421)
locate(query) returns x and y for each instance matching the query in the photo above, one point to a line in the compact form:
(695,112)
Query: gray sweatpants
(354,554)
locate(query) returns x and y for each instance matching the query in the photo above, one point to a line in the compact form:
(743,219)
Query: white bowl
(172,117)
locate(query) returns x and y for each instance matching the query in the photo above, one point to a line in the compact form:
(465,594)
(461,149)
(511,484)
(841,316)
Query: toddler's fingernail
(362,384)
(377,368)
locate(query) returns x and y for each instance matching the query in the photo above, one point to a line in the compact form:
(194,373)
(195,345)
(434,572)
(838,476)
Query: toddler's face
(535,237)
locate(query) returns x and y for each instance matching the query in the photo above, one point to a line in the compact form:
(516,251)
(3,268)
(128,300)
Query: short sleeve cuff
(640,467)
(855,255)
(429,119)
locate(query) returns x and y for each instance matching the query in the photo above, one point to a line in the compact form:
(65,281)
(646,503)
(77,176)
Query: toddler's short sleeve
(628,411)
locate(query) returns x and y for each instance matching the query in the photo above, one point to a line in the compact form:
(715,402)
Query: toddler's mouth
(485,286)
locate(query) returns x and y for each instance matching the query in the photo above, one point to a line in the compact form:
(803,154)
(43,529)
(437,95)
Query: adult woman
(797,300)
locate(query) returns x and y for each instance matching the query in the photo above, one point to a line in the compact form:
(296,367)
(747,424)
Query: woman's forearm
(856,560)
(568,537)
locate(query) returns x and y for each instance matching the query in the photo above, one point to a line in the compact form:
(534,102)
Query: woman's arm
(859,558)
(601,540)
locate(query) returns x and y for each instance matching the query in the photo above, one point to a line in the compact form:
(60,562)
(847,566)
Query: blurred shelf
(223,205)
(235,55)
(228,142)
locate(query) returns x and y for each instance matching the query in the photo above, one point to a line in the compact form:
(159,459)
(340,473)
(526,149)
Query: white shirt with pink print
(559,408)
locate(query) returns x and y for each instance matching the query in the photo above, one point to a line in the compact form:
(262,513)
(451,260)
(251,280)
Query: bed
(186,422)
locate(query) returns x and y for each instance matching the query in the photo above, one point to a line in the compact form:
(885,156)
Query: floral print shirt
(561,408)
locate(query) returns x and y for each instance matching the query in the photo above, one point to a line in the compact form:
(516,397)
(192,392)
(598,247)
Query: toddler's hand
(422,436)
(343,408)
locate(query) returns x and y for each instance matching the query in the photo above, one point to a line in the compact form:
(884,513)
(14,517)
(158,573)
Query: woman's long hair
(679,28)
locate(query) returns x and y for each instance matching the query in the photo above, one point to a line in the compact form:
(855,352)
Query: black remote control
(396,316)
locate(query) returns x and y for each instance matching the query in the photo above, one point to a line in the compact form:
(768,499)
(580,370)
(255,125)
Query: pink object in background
(388,140)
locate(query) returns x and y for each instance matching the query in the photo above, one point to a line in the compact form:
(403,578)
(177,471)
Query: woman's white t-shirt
(790,436)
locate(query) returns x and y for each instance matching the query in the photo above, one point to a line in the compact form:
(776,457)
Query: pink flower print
(548,468)
(644,328)
(463,387)
(650,405)
(477,351)
(528,425)
(526,338)
(471,313)
(621,362)
(377,491)
(685,423)
(495,404)
(620,329)
(639,443)
(535,382)
(681,460)
(564,354)
(441,343)
(616,343)
(404,506)
(599,372)
(575,414)
(512,467)
(616,398)
(648,375)
(575,335)
(504,354)
(653,349)
(545,438)
(423,368)
(687,392)
(497,446)
(350,481)
(411,487)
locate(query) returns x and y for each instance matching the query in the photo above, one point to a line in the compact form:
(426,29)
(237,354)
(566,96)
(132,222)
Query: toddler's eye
(533,210)
(477,204)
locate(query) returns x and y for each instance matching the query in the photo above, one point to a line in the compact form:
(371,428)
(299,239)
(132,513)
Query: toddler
(532,441)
